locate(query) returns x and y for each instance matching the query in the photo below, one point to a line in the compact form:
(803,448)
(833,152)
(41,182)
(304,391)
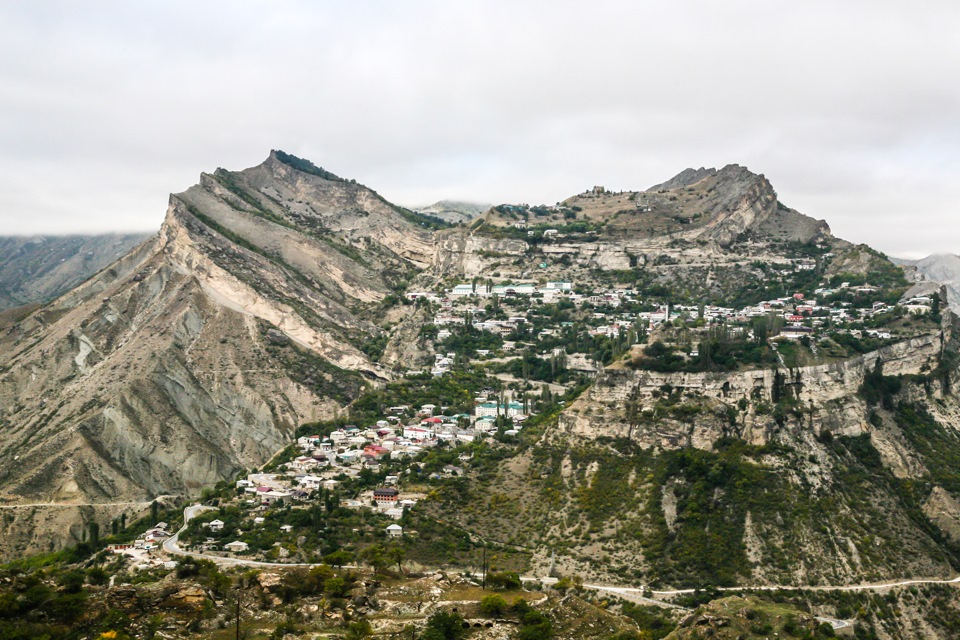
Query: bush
(444,626)
(504,581)
(493,605)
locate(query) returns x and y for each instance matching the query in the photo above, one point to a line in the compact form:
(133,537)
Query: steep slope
(38,269)
(198,354)
(943,269)
(779,476)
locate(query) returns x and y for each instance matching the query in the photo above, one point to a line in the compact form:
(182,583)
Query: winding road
(635,594)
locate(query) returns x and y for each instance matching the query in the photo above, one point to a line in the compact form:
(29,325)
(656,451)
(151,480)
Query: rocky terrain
(197,354)
(271,297)
(37,269)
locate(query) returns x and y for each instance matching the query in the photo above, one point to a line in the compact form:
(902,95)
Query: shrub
(493,605)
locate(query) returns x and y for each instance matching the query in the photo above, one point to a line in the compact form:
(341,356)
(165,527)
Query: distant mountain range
(37,269)
(942,268)
(454,211)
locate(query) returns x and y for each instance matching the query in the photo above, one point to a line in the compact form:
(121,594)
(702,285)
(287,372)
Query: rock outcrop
(622,402)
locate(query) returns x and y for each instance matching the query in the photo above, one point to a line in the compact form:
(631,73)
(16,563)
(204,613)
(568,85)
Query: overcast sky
(852,109)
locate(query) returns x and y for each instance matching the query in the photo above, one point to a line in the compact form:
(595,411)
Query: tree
(504,581)
(338,558)
(396,554)
(358,630)
(493,605)
(444,626)
(376,557)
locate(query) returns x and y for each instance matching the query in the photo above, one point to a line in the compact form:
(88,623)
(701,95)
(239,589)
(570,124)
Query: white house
(311,482)
(236,546)
(394,531)
(509,410)
(215,525)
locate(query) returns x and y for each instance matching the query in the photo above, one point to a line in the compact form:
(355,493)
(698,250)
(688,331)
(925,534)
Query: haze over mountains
(36,269)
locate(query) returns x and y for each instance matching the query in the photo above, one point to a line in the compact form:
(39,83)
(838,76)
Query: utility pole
(484,567)
(239,596)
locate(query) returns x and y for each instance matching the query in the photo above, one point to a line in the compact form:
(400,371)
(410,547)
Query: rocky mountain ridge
(199,353)
(254,308)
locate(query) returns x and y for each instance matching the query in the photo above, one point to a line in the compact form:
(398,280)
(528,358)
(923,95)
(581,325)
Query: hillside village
(527,346)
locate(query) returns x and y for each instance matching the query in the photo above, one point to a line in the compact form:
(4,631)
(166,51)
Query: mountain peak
(302,165)
(685,178)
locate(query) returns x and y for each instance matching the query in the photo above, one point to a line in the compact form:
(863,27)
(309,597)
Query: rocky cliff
(623,403)
(198,354)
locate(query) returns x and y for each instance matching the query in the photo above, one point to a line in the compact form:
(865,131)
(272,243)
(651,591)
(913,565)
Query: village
(528,345)
(515,313)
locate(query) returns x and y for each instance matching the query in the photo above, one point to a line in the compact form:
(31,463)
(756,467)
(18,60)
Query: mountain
(198,353)
(37,269)
(942,269)
(454,211)
(697,238)
(699,452)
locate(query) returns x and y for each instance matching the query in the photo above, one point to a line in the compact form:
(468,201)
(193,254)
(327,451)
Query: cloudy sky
(852,109)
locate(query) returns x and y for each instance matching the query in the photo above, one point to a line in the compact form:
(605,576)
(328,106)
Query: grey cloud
(849,108)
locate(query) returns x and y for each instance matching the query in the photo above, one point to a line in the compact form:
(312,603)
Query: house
(286,528)
(394,531)
(386,495)
(417,433)
(396,513)
(215,525)
(272,497)
(311,482)
(236,546)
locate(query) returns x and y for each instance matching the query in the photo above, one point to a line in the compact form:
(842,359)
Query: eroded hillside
(198,354)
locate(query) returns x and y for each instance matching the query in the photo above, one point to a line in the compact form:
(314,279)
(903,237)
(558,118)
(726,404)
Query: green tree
(493,605)
(358,630)
(444,626)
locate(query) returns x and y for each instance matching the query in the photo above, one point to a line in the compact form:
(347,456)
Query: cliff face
(623,402)
(764,476)
(198,354)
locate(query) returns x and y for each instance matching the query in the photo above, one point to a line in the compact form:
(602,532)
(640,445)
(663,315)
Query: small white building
(394,531)
(215,525)
(236,546)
